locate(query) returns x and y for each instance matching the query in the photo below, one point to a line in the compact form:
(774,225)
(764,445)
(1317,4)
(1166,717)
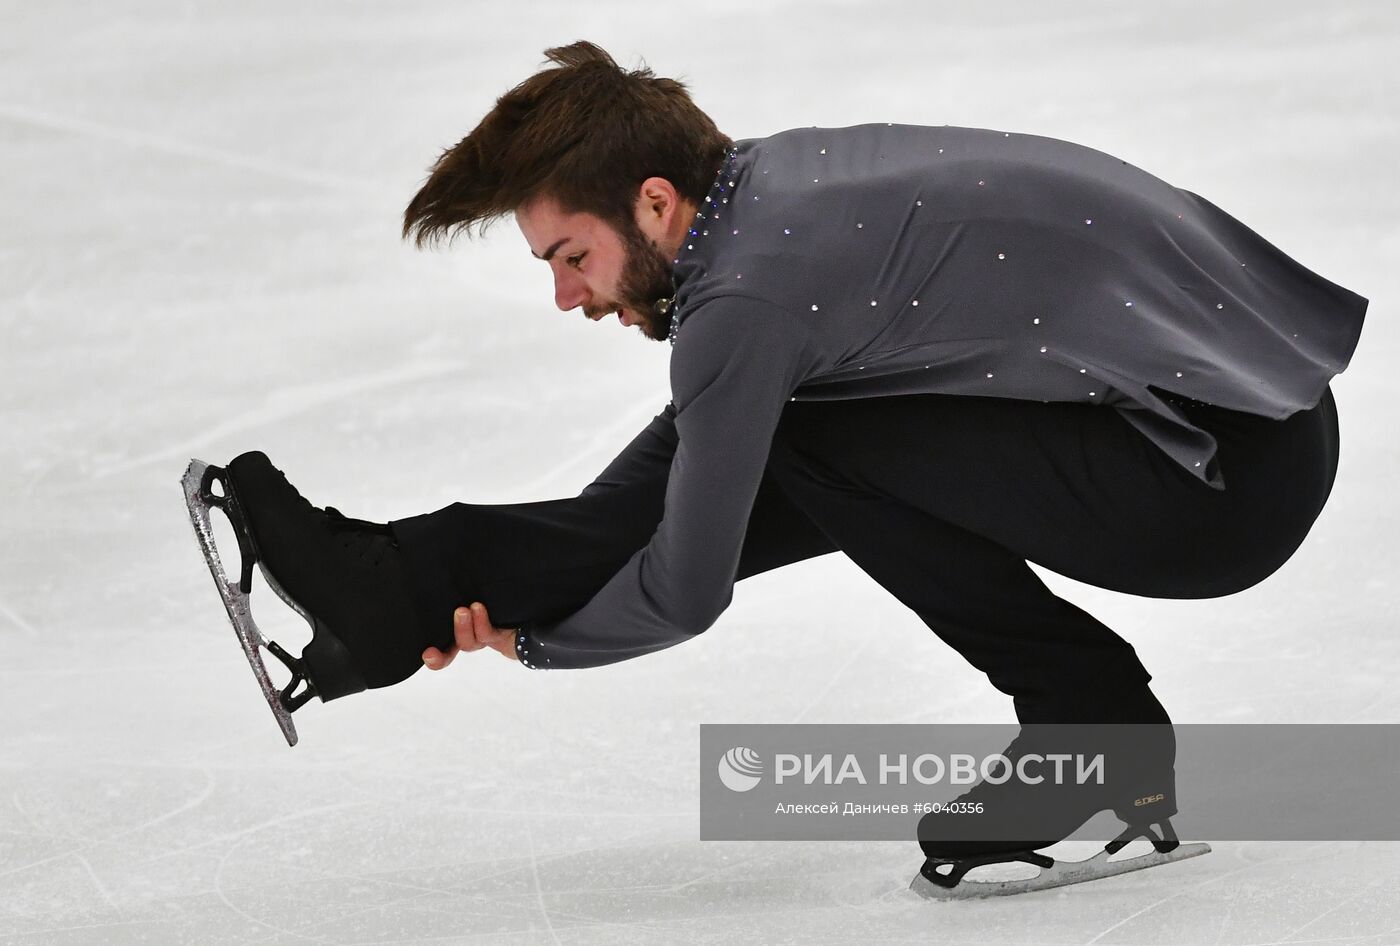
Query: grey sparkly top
(894,259)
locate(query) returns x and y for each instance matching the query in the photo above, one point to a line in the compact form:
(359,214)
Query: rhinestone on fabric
(522,651)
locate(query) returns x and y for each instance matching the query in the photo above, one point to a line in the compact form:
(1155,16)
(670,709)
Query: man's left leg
(943,500)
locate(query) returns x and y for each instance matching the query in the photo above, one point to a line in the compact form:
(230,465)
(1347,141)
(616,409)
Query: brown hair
(586,134)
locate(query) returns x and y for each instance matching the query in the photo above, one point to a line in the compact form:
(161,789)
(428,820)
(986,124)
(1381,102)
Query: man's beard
(646,279)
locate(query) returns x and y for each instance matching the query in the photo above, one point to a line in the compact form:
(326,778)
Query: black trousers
(943,500)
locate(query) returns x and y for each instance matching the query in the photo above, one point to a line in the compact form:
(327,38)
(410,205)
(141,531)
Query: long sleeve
(646,457)
(734,366)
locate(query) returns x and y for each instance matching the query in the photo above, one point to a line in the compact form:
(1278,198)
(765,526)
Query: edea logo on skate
(740,769)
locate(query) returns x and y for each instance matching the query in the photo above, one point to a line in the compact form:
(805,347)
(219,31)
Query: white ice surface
(199,256)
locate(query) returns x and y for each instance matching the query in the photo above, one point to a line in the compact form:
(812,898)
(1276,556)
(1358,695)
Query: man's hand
(473,630)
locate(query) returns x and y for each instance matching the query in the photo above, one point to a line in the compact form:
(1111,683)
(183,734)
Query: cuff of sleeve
(528,651)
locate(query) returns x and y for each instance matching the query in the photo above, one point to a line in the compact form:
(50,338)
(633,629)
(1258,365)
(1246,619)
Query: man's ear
(657,203)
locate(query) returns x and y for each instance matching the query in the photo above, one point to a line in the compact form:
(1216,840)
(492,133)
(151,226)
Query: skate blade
(235,601)
(1061,874)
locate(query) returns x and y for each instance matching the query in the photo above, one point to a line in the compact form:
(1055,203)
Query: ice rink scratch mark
(340,918)
(125,136)
(219,890)
(709,874)
(242,834)
(93,926)
(604,439)
(535,875)
(18,621)
(1224,922)
(297,402)
(96,882)
(1193,887)
(89,845)
(1331,940)
(1289,936)
(836,675)
(189,805)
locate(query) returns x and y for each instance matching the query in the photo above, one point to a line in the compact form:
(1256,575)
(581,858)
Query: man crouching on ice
(945,352)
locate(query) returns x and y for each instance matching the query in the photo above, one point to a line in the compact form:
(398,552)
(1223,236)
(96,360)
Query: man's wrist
(528,650)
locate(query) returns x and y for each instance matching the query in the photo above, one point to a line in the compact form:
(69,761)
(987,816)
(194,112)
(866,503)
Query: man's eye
(574,260)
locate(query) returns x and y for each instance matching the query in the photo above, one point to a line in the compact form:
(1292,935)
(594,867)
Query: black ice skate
(1010,820)
(342,575)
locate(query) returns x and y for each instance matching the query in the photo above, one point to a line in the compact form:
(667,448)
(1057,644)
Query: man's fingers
(501,640)
(435,659)
(462,621)
(484,633)
(472,630)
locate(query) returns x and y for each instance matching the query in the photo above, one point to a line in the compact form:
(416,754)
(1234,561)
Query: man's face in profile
(597,268)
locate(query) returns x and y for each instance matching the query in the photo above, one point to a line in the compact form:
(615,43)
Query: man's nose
(569,291)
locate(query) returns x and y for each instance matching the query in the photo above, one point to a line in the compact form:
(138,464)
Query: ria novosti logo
(740,769)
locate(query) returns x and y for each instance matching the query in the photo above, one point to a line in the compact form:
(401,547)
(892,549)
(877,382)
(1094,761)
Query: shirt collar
(688,261)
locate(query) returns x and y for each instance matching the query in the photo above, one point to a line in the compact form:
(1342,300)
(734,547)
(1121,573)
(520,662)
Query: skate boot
(344,576)
(1049,786)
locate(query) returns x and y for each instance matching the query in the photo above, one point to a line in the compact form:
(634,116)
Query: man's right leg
(540,562)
